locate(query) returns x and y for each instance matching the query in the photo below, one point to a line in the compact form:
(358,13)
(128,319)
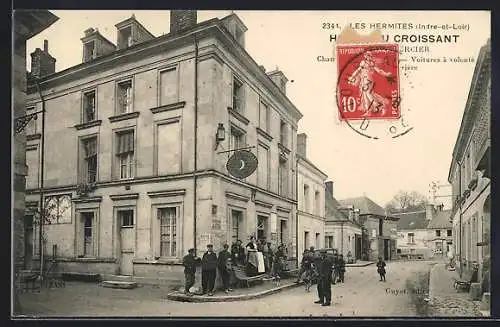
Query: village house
(311,206)
(133,137)
(470,172)
(380,236)
(343,230)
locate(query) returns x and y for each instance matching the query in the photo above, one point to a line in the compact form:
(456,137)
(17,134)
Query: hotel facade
(137,138)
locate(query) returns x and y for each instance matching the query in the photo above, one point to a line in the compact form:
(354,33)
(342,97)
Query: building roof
(313,166)
(440,220)
(411,220)
(31,22)
(365,205)
(331,211)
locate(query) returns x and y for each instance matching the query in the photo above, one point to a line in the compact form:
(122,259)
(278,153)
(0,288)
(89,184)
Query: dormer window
(126,39)
(89,51)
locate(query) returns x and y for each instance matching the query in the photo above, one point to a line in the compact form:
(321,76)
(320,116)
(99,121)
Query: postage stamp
(368,84)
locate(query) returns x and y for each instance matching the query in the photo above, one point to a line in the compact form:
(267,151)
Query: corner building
(132,164)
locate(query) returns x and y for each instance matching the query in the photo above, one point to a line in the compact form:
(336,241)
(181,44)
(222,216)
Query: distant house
(380,230)
(343,230)
(426,233)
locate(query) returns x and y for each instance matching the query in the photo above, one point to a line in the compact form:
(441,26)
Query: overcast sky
(292,40)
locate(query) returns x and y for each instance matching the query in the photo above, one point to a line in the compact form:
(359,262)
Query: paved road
(361,295)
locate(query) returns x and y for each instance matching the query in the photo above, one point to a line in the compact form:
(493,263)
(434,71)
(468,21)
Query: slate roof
(411,220)
(365,205)
(440,220)
(331,211)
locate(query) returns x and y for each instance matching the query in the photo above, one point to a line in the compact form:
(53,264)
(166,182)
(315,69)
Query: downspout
(297,211)
(195,177)
(341,237)
(460,219)
(42,164)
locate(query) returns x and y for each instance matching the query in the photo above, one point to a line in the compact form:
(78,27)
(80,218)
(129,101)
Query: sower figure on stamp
(381,269)
(208,270)
(224,263)
(325,280)
(190,261)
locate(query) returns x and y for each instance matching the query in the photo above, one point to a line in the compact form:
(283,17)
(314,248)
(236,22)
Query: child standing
(381,269)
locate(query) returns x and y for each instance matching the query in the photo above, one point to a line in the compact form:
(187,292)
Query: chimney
(182,19)
(302,144)
(329,188)
(42,63)
(279,79)
(429,211)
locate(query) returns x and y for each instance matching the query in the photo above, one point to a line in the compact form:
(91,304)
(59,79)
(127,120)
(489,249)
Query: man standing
(341,265)
(224,263)
(325,280)
(190,261)
(335,268)
(208,270)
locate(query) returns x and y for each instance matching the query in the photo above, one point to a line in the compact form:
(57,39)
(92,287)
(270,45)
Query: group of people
(273,263)
(311,262)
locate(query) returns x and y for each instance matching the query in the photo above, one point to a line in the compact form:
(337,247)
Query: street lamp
(220,135)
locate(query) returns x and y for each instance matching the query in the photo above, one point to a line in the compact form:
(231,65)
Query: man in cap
(190,261)
(325,279)
(224,263)
(208,270)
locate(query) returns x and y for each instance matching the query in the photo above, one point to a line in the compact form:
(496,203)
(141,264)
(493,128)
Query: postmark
(368,84)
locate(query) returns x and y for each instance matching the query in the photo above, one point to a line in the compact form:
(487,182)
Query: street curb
(178,296)
(360,265)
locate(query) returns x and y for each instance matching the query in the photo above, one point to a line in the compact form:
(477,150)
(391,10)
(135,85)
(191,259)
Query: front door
(387,249)
(127,237)
(28,241)
(358,247)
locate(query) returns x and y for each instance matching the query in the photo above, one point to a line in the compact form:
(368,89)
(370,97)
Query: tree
(406,201)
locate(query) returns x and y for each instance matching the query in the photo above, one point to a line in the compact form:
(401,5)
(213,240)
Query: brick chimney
(279,79)
(42,63)
(182,19)
(329,188)
(429,211)
(302,144)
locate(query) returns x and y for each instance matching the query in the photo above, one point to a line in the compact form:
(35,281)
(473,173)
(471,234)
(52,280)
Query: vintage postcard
(194,163)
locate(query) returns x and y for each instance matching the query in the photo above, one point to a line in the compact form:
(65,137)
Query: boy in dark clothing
(208,270)
(381,269)
(190,261)
(325,280)
(305,264)
(224,264)
(238,253)
(341,265)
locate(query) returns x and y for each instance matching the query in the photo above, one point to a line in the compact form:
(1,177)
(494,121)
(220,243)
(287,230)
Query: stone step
(141,280)
(118,284)
(78,276)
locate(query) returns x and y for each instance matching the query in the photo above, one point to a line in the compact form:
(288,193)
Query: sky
(435,94)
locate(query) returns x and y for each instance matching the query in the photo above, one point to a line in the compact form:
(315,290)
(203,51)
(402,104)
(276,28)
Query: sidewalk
(446,300)
(360,263)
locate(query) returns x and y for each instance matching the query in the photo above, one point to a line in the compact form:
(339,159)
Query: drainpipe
(460,219)
(195,177)
(341,237)
(297,211)
(42,164)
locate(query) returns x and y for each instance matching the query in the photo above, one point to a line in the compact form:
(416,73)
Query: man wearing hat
(325,280)
(208,270)
(190,261)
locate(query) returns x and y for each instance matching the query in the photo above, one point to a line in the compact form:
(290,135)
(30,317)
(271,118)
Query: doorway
(261,228)
(387,249)
(28,241)
(126,221)
(306,240)
(357,247)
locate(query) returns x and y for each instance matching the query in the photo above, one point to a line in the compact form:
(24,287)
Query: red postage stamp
(368,81)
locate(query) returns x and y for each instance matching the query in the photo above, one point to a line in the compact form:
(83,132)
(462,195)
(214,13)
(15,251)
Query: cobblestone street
(361,295)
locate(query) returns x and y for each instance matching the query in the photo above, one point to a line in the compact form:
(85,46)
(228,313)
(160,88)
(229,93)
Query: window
(317,203)
(317,240)
(238,96)
(125,154)
(125,37)
(283,178)
(169,92)
(306,240)
(126,218)
(411,238)
(329,242)
(237,220)
(283,133)
(264,116)
(89,51)
(89,107)
(58,208)
(168,231)
(448,232)
(237,139)
(124,97)
(31,127)
(261,227)
(263,167)
(168,148)
(381,227)
(89,164)
(306,198)
(88,234)
(283,232)
(32,161)
(438,233)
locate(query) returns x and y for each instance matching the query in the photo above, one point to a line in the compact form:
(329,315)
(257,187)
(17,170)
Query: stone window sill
(238,116)
(264,134)
(125,116)
(88,124)
(168,107)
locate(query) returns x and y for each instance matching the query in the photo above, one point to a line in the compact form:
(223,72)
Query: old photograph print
(193,163)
